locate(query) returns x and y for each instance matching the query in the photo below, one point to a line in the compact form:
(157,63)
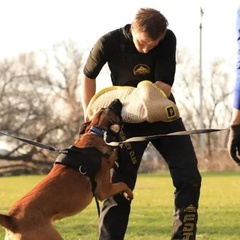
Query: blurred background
(44,45)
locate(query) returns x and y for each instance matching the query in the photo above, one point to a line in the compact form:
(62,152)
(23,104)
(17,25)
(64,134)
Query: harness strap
(86,160)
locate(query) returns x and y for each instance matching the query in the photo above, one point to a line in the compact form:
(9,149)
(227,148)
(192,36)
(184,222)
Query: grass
(152,208)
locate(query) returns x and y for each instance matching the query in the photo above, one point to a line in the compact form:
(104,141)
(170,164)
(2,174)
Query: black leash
(31,142)
(98,206)
(152,137)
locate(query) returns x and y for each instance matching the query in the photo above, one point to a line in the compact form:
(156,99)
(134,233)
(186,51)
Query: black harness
(86,160)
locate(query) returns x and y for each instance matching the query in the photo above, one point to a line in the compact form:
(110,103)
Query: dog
(69,187)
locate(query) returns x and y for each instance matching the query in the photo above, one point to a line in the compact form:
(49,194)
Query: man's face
(142,42)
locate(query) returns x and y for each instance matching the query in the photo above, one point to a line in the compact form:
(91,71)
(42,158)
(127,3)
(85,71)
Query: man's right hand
(234,143)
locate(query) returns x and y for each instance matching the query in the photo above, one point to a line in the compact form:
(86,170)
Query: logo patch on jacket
(141,69)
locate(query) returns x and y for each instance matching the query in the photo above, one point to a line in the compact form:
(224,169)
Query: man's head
(148,29)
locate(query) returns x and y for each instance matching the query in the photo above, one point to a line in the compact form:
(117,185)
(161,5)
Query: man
(234,136)
(145,50)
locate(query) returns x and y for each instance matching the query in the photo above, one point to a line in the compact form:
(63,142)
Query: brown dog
(65,191)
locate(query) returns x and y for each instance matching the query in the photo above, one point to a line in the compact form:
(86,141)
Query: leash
(152,137)
(31,142)
(98,206)
(114,144)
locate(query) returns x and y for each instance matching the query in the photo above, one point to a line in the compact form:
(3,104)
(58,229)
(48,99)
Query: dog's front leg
(106,189)
(121,187)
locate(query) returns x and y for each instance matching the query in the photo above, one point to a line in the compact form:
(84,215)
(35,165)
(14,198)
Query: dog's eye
(115,128)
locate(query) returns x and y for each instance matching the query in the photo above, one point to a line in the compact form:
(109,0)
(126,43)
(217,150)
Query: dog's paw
(128,195)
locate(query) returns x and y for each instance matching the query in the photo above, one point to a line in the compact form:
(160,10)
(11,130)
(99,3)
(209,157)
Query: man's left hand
(234,143)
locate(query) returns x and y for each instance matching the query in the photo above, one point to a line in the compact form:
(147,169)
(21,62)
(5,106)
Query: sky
(32,25)
(28,25)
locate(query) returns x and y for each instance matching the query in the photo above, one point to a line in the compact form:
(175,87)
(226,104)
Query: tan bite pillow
(146,102)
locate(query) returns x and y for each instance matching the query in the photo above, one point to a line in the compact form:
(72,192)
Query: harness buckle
(81,171)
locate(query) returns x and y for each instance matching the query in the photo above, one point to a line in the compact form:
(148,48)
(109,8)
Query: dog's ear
(83,128)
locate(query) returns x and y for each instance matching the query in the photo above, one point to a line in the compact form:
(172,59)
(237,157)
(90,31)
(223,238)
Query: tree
(39,105)
(216,102)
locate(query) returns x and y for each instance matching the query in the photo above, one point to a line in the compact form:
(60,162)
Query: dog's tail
(6,222)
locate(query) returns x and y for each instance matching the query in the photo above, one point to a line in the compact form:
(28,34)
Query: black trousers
(179,154)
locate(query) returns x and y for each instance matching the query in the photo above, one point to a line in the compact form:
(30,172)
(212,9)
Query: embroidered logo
(128,146)
(190,208)
(141,69)
(189,221)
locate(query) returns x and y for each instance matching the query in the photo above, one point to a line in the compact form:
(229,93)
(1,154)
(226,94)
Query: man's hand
(164,87)
(234,143)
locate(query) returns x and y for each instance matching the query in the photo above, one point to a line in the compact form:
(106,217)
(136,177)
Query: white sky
(33,24)
(29,25)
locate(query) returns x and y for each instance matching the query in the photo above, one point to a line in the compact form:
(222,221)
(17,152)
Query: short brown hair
(151,22)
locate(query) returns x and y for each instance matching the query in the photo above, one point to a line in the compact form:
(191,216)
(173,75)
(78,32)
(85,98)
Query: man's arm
(88,89)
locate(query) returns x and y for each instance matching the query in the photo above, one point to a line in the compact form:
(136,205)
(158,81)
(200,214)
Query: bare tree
(40,103)
(216,100)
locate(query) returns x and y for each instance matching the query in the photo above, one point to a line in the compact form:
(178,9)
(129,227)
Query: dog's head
(106,120)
